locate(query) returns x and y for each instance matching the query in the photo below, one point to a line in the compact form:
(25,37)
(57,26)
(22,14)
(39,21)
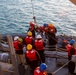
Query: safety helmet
(38,37)
(29,47)
(43,67)
(45,25)
(32,24)
(20,39)
(72,41)
(51,25)
(29,33)
(16,38)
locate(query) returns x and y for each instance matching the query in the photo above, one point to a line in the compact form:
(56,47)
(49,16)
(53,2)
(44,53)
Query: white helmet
(38,37)
(16,38)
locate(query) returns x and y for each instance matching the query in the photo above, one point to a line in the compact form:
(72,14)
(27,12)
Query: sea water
(15,15)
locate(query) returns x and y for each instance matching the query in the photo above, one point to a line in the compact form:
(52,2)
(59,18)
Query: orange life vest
(31,55)
(38,72)
(39,44)
(28,40)
(52,29)
(68,47)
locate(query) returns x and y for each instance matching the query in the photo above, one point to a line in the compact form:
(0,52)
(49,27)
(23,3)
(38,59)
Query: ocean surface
(15,15)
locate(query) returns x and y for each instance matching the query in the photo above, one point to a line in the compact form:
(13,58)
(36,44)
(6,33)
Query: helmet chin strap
(73,1)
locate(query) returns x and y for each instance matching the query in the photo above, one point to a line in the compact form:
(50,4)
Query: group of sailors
(35,44)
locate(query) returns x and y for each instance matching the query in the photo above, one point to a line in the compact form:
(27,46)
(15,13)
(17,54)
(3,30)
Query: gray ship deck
(54,62)
(52,66)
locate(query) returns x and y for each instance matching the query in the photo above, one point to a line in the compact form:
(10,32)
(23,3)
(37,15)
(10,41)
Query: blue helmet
(43,67)
(72,41)
(45,25)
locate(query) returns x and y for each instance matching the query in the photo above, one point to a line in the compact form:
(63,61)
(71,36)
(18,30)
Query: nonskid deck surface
(52,66)
(52,63)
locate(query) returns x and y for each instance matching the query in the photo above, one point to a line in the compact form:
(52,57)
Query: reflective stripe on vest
(39,44)
(31,55)
(28,40)
(38,72)
(15,43)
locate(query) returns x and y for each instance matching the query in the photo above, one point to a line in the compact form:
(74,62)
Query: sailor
(72,65)
(45,29)
(19,49)
(32,57)
(32,28)
(51,35)
(29,38)
(20,39)
(70,48)
(52,28)
(39,46)
(41,70)
(45,26)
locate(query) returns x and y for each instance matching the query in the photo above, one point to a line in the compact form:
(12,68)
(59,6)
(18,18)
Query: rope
(32,8)
(61,49)
(52,37)
(33,12)
(60,67)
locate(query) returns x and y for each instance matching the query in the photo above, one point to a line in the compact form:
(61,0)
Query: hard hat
(45,25)
(16,38)
(38,37)
(32,24)
(51,25)
(72,41)
(29,33)
(29,47)
(20,39)
(43,67)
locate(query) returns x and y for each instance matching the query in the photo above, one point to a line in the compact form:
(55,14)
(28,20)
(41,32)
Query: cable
(33,12)
(32,8)
(60,67)
(52,37)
